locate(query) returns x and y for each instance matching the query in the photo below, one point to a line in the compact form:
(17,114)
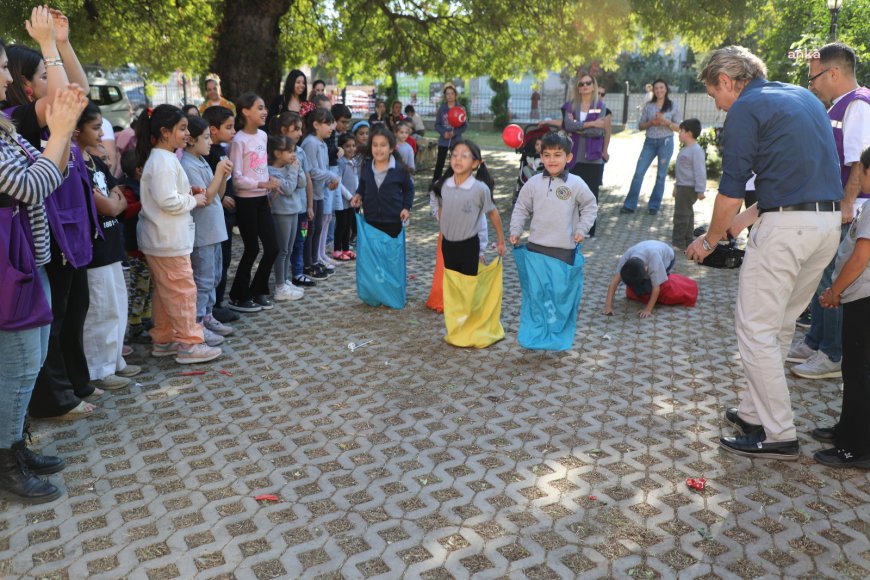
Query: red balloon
(456,117)
(513,136)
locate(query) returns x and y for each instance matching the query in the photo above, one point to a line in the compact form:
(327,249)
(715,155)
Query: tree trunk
(246,56)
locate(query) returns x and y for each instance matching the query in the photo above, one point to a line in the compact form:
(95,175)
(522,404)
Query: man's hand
(696,251)
(847,210)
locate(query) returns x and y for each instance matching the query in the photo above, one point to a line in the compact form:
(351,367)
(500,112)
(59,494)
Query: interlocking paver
(413,458)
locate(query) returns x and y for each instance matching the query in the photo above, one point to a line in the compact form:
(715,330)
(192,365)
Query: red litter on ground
(593,498)
(191,373)
(267,497)
(697,483)
(227,373)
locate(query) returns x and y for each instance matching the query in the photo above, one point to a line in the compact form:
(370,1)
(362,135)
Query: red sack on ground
(679,290)
(436,294)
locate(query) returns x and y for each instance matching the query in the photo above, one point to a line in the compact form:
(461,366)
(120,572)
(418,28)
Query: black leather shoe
(753,445)
(823,434)
(38,464)
(17,479)
(842,458)
(733,417)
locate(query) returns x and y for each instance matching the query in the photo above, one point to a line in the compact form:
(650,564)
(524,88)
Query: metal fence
(425,96)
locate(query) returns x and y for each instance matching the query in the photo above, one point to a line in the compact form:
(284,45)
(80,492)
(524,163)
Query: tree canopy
(251,42)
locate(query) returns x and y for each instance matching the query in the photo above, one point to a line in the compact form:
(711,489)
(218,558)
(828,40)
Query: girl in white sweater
(165,234)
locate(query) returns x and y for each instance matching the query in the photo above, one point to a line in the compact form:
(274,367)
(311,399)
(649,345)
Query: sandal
(95,395)
(82,410)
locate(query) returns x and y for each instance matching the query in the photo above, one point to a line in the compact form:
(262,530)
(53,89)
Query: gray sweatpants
(285,232)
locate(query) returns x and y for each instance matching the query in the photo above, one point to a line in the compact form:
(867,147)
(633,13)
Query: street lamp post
(834,7)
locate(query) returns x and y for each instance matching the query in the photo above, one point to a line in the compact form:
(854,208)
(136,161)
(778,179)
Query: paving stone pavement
(412,458)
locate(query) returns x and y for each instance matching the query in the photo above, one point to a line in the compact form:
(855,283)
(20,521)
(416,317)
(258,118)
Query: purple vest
(71,212)
(836,114)
(594,145)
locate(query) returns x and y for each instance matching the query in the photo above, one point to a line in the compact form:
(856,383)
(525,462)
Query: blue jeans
(652,148)
(298,251)
(24,352)
(826,324)
(207,262)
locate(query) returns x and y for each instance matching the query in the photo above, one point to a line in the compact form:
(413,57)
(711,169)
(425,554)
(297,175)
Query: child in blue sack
(560,204)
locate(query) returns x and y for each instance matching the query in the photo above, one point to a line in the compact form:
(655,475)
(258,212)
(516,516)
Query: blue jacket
(384,204)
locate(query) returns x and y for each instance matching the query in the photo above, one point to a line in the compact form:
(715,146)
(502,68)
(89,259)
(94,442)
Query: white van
(112,100)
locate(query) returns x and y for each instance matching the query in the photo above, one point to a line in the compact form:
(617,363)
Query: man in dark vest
(832,79)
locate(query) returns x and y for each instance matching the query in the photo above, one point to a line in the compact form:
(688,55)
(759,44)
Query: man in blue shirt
(782,133)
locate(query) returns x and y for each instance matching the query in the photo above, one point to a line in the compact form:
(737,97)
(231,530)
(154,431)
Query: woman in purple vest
(27,178)
(36,76)
(584,119)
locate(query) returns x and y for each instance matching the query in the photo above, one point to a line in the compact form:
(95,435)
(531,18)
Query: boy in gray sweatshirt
(691,173)
(560,204)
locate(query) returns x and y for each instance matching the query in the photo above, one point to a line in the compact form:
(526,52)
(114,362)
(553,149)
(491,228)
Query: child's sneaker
(316,272)
(196,353)
(282,294)
(294,286)
(328,268)
(211,338)
(217,327)
(162,349)
(246,305)
(293,292)
(264,302)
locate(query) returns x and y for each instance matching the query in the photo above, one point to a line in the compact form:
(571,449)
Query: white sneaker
(818,366)
(211,338)
(292,285)
(196,353)
(293,292)
(217,327)
(799,353)
(282,294)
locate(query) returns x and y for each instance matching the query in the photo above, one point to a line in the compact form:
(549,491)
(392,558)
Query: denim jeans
(826,324)
(207,264)
(652,148)
(23,354)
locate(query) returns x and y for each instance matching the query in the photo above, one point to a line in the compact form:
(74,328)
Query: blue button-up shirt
(783,134)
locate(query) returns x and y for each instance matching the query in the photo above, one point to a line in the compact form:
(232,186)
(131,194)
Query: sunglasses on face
(584,84)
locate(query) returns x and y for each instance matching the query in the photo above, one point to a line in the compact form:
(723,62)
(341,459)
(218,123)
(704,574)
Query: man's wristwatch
(706,244)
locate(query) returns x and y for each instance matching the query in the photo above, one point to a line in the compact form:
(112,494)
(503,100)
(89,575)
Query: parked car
(112,100)
(138,100)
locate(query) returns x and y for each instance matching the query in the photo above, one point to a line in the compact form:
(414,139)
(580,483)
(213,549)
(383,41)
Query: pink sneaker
(196,353)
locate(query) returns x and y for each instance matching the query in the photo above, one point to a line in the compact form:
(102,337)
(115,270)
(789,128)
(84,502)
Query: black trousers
(853,432)
(227,256)
(439,163)
(254,218)
(462,256)
(312,239)
(592,174)
(63,379)
(343,219)
(392,229)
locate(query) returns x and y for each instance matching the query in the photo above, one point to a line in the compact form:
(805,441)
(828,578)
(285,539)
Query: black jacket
(384,204)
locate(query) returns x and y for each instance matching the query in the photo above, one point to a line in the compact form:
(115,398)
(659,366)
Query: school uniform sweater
(383,203)
(560,206)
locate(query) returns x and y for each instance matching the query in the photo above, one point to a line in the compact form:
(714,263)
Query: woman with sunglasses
(584,119)
(660,118)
